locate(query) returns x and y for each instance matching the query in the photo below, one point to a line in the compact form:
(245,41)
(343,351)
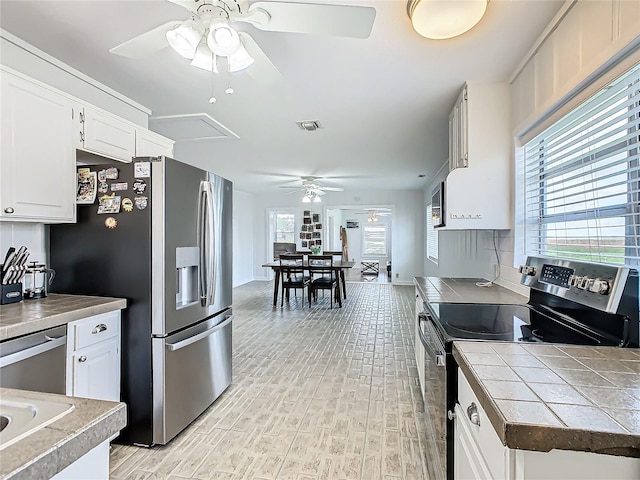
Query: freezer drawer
(194,369)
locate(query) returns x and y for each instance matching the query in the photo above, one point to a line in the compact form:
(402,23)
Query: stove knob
(574,280)
(527,270)
(600,286)
(585,283)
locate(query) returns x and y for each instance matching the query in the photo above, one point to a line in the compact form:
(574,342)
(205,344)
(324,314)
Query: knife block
(11,293)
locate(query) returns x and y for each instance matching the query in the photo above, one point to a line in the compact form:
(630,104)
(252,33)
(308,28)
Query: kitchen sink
(4,422)
(20,417)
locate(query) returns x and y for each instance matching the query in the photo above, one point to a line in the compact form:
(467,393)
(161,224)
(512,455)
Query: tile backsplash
(31,235)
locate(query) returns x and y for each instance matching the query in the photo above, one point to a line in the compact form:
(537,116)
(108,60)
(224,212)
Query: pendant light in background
(440,19)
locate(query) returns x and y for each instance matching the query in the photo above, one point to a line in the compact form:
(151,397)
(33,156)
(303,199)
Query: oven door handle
(433,346)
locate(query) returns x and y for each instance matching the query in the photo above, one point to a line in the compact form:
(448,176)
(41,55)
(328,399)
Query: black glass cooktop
(512,323)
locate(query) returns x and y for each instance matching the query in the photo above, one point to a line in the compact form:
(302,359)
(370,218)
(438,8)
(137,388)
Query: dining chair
(293,275)
(323,277)
(337,257)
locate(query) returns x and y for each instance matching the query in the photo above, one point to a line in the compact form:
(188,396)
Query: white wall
(407,235)
(243,237)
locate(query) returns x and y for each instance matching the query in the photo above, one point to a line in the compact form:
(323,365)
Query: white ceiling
(383,102)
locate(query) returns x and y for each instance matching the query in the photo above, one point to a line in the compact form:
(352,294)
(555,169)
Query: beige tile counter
(30,316)
(544,397)
(56,446)
(464,290)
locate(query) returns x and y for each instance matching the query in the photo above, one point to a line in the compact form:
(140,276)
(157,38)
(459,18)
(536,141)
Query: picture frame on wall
(306,213)
(353,224)
(303,228)
(315,218)
(305,244)
(306,220)
(318,226)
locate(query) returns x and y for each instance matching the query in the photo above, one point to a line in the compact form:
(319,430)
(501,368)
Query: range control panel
(596,285)
(556,275)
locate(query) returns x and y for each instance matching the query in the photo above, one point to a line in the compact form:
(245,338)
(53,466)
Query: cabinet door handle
(82,358)
(472,412)
(9,210)
(101,327)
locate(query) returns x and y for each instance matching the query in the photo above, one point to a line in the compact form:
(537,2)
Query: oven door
(435,398)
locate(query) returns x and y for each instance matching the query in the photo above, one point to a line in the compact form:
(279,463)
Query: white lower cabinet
(418,347)
(479,453)
(93,357)
(92,465)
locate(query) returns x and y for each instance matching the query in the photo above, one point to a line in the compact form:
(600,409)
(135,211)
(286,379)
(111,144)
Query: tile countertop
(541,397)
(464,290)
(57,445)
(30,316)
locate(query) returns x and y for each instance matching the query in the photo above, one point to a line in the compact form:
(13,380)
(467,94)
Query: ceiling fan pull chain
(212,99)
(228,90)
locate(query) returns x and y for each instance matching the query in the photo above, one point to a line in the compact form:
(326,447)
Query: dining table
(338,266)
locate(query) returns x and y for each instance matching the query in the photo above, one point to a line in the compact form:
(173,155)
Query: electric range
(570,302)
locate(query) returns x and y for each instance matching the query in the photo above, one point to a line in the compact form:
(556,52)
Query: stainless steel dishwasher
(35,361)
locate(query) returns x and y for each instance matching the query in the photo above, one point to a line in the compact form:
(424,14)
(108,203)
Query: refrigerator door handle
(196,338)
(206,242)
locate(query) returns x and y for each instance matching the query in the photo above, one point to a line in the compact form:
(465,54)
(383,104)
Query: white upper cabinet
(458,139)
(107,135)
(37,171)
(150,144)
(478,196)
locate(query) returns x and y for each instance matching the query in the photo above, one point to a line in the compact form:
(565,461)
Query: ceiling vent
(309,125)
(195,126)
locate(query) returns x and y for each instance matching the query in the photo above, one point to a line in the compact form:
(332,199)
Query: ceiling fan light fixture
(441,19)
(223,40)
(185,38)
(240,59)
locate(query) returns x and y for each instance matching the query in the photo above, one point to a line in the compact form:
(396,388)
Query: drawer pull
(451,414)
(472,412)
(101,327)
(82,358)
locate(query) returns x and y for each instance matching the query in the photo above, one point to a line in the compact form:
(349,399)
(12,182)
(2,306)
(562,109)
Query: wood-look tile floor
(317,393)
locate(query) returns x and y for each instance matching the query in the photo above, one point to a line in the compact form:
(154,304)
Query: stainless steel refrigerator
(165,246)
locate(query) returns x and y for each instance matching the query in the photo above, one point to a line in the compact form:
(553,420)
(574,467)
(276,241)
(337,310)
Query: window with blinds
(432,236)
(374,240)
(582,180)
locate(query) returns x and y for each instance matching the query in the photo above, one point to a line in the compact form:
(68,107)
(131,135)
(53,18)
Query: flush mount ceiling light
(440,19)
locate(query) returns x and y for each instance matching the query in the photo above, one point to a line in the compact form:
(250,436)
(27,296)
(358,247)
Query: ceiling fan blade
(262,70)
(297,188)
(146,43)
(335,20)
(332,189)
(188,4)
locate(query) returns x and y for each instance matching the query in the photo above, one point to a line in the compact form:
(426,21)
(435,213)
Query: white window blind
(284,227)
(432,236)
(582,179)
(374,240)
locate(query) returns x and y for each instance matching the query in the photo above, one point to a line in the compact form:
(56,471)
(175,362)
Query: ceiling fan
(374,213)
(313,190)
(209,40)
